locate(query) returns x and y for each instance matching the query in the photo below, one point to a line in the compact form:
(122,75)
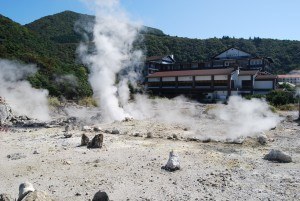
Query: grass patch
(88,102)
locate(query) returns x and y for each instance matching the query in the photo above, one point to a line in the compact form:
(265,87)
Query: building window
(246,84)
(185,84)
(221,83)
(203,83)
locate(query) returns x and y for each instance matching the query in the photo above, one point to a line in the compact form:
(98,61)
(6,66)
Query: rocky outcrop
(279,156)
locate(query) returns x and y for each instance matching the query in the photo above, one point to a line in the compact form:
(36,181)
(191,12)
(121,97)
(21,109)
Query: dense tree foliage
(51,43)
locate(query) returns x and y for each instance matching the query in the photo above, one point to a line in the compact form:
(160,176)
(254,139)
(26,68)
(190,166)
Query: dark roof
(248,72)
(157,58)
(223,71)
(265,77)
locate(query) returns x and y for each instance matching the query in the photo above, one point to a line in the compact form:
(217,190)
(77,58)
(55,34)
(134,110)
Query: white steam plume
(114,35)
(242,118)
(23,99)
(113,38)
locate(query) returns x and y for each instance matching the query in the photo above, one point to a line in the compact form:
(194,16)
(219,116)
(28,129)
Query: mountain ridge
(51,43)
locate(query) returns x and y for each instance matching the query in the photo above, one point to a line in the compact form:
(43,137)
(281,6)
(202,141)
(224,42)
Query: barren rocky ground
(128,167)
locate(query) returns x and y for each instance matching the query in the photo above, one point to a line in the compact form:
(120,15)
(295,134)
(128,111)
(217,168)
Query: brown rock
(96,142)
(84,140)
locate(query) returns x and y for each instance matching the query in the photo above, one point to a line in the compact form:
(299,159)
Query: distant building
(232,72)
(290,78)
(230,58)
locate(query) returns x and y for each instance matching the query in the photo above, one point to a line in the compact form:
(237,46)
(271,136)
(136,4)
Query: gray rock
(97,129)
(262,139)
(279,156)
(115,131)
(5,197)
(96,142)
(24,189)
(16,156)
(87,128)
(84,140)
(175,137)
(37,196)
(100,196)
(5,113)
(68,135)
(149,135)
(173,163)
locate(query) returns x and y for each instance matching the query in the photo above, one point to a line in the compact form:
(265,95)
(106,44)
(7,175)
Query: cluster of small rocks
(28,193)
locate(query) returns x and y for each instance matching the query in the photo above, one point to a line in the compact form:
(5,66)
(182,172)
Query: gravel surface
(128,166)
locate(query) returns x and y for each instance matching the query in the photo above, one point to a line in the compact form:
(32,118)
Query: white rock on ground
(173,163)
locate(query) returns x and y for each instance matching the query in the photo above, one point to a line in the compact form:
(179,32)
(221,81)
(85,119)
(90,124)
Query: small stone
(115,131)
(84,140)
(137,135)
(262,139)
(68,135)
(97,129)
(100,196)
(78,194)
(149,135)
(5,197)
(67,162)
(279,156)
(175,137)
(87,128)
(35,152)
(96,142)
(16,156)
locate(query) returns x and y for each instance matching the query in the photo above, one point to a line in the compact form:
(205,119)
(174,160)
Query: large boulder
(37,196)
(96,142)
(173,163)
(279,156)
(100,196)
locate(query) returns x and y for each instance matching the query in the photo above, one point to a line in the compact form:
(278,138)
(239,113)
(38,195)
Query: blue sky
(279,19)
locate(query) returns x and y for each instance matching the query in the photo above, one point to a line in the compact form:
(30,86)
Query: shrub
(88,102)
(53,101)
(278,98)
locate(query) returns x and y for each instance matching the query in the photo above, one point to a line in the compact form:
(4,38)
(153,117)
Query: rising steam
(113,37)
(23,99)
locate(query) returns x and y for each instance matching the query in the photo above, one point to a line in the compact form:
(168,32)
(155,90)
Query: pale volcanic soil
(128,167)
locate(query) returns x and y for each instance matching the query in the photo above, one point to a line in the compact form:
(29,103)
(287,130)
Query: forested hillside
(51,43)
